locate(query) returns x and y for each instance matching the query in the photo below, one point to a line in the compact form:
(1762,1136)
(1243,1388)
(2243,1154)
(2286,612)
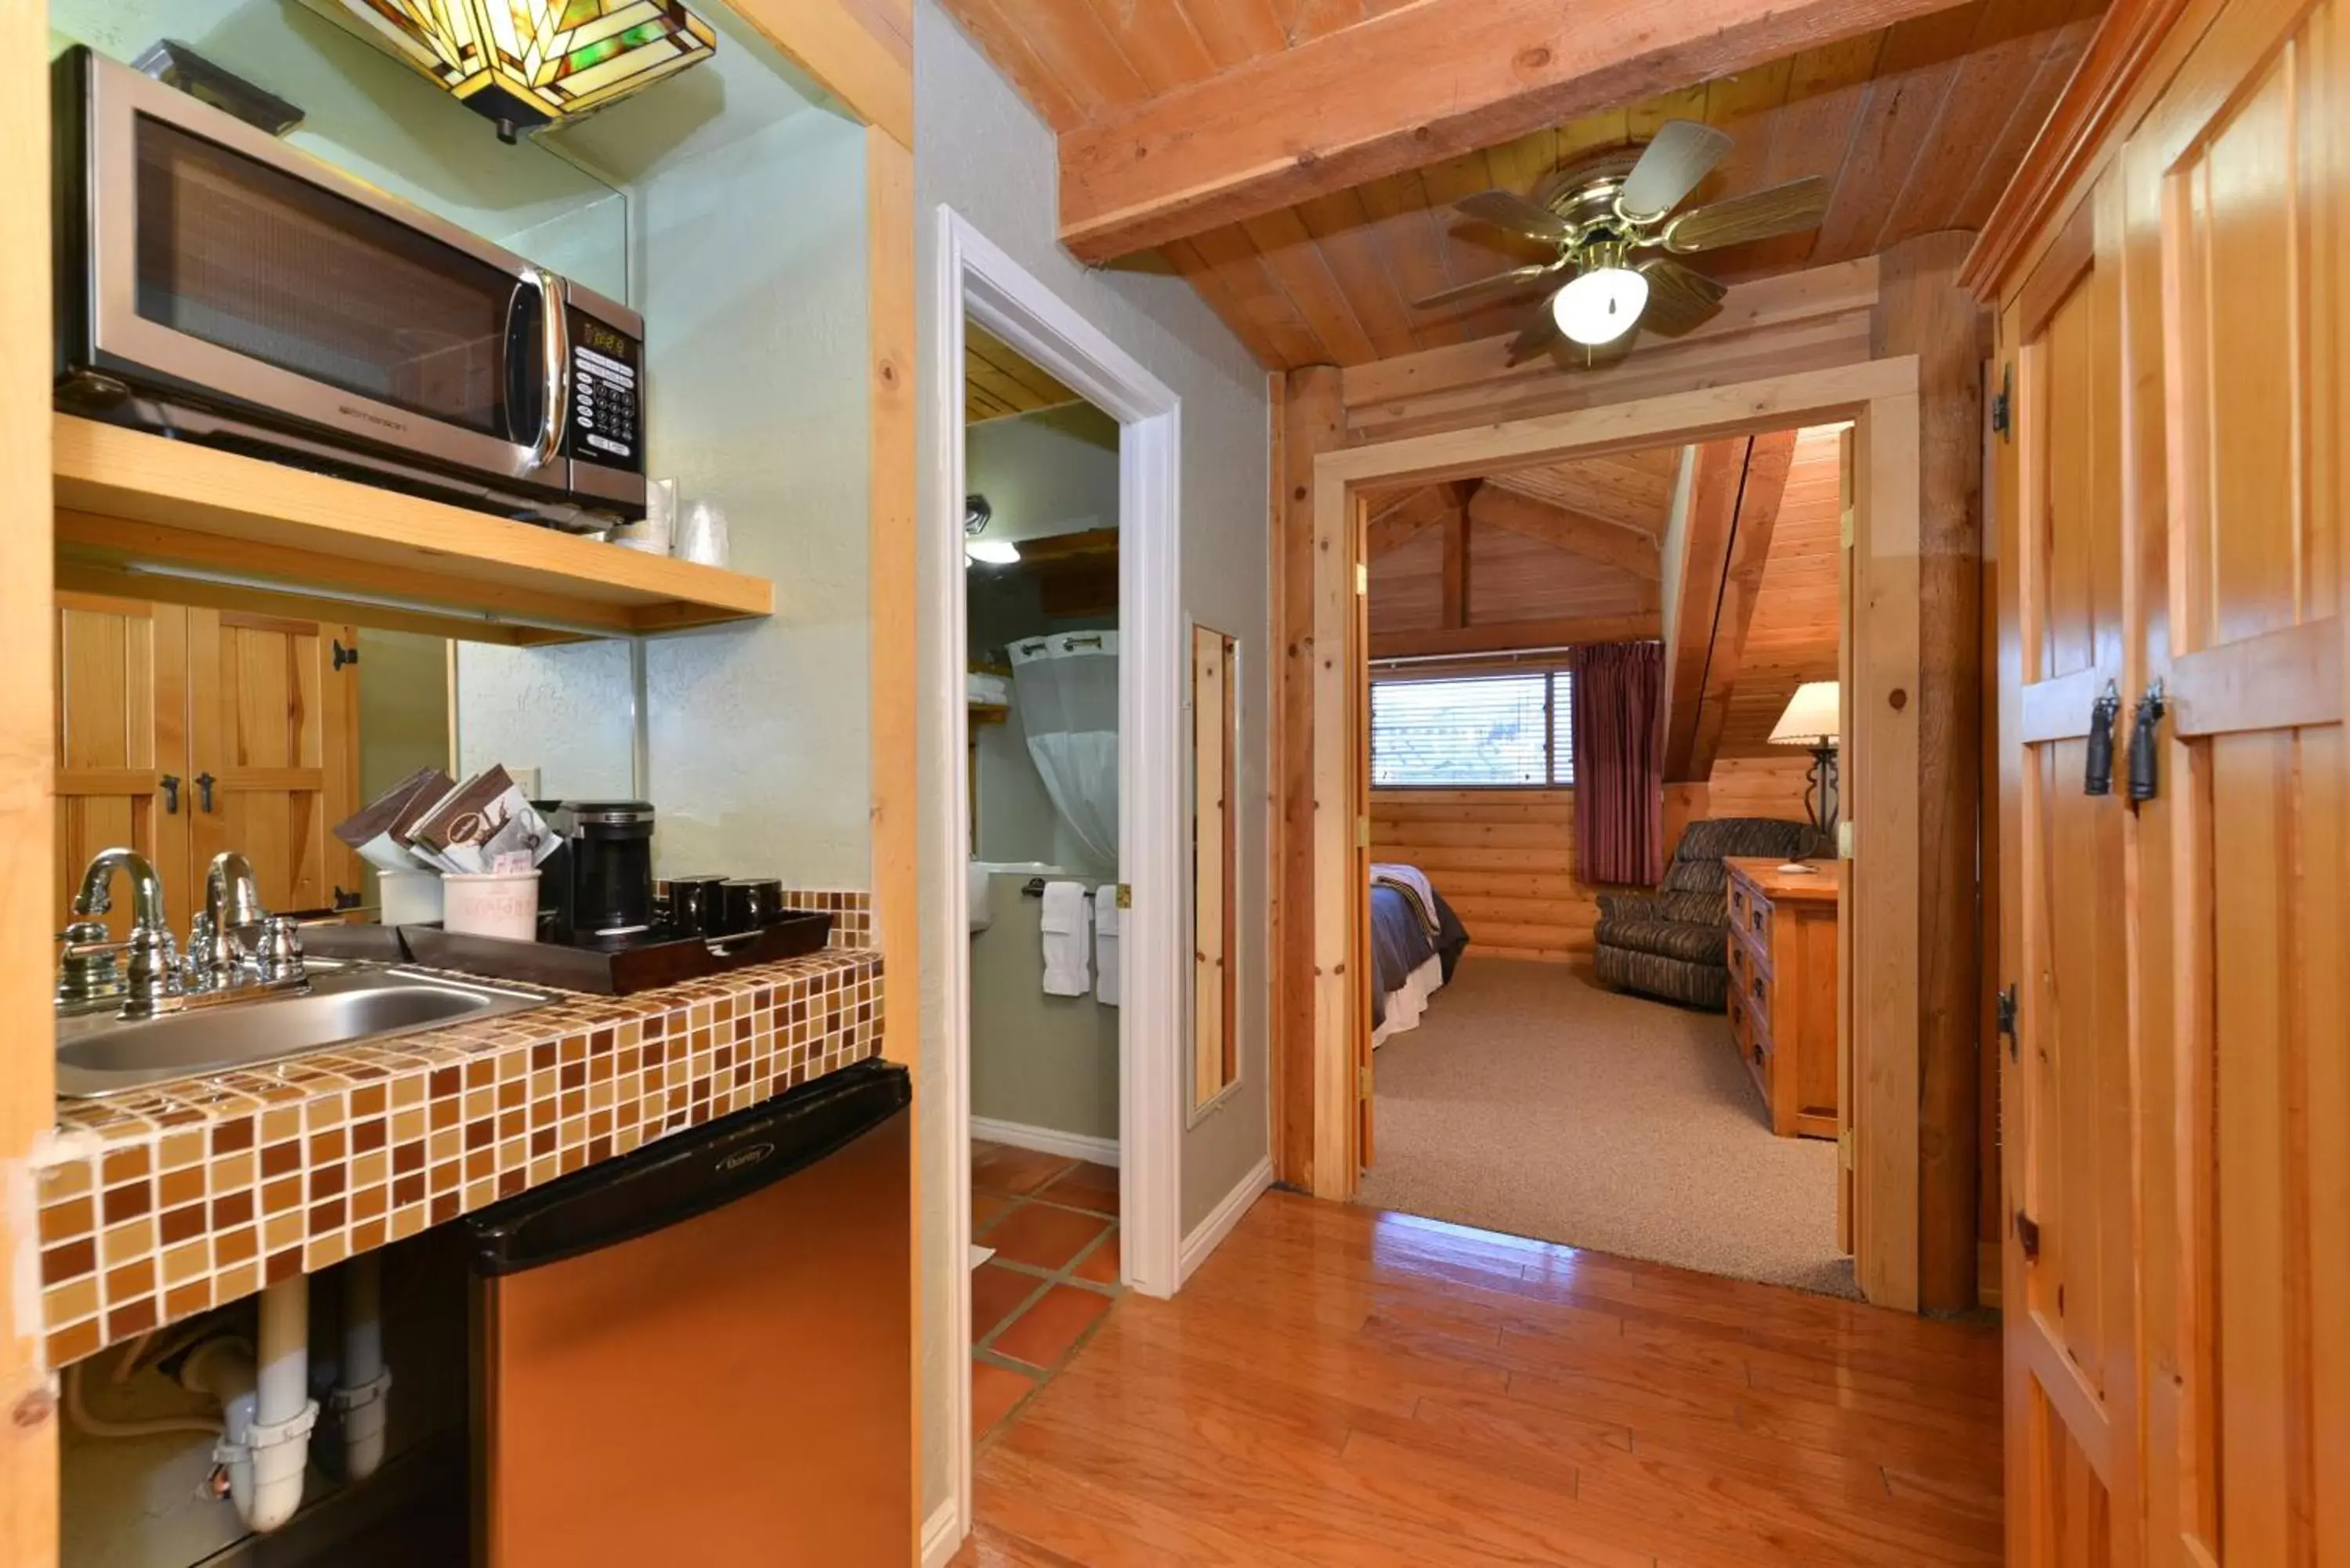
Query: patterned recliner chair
(1672,942)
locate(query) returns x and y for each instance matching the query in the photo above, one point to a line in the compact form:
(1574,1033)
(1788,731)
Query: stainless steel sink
(100,1053)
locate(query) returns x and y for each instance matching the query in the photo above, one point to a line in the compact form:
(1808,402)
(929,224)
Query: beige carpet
(1530,1101)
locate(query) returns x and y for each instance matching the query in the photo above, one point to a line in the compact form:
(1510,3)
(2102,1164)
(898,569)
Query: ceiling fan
(1599,213)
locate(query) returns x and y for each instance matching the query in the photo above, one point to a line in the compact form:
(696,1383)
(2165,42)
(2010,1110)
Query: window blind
(1473,732)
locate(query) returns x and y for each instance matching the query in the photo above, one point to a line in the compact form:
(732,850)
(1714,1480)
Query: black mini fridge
(702,1352)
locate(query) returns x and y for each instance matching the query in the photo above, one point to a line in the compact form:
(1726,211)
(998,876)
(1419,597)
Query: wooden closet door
(274,751)
(2240,213)
(121,737)
(2068,1283)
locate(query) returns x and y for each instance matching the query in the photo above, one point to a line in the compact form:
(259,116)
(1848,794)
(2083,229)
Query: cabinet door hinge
(1843,1149)
(1363,1082)
(2003,404)
(344,655)
(2006,1003)
(1362,577)
(1362,833)
(2027,1236)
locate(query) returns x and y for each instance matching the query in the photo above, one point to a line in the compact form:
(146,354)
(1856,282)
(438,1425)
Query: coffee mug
(751,902)
(693,904)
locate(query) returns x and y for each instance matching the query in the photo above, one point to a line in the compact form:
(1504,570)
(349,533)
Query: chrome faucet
(147,979)
(218,958)
(144,969)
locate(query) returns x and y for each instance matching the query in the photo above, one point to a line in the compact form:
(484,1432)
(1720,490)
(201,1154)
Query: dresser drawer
(1750,913)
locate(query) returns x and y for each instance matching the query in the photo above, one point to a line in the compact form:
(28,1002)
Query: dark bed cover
(1400,943)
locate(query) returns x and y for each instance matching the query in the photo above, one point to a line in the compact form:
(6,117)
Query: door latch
(2027,1236)
(170,783)
(204,782)
(2097,776)
(2146,719)
(2005,1003)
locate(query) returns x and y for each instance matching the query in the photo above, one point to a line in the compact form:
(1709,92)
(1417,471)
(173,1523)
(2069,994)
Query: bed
(1416,941)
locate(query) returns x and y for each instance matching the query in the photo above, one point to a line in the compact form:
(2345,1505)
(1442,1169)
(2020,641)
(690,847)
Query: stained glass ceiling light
(530,63)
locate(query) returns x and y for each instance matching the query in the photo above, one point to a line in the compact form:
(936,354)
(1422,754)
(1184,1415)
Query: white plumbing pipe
(360,1395)
(265,1405)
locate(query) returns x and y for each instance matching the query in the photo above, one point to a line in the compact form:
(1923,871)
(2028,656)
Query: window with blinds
(1473,732)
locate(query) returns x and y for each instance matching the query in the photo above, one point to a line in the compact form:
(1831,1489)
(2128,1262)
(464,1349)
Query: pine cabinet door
(274,752)
(121,745)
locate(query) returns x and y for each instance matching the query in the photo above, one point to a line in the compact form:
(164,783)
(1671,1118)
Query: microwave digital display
(605,425)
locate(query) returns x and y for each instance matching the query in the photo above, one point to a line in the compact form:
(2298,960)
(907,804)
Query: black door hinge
(2003,404)
(2027,1236)
(345,901)
(344,655)
(2006,1006)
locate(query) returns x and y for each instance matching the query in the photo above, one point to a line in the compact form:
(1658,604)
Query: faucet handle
(280,950)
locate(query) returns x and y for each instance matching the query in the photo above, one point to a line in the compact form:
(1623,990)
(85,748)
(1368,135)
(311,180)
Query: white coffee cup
(491,904)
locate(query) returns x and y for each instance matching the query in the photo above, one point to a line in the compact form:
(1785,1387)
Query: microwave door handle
(555,339)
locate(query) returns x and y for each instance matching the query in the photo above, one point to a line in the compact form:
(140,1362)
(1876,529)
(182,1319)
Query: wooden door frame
(1881,397)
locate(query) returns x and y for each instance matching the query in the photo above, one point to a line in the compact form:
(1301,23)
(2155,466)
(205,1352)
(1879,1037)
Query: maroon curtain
(1619,792)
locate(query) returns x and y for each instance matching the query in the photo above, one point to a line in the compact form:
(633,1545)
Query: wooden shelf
(142,516)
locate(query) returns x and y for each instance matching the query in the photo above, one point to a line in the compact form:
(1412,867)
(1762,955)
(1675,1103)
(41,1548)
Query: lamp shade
(1600,305)
(529,63)
(1811,718)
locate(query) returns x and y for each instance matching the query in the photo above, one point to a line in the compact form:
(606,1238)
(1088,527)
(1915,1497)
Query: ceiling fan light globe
(1600,305)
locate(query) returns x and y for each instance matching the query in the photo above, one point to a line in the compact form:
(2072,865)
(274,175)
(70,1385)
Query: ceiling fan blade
(1536,338)
(1785,209)
(1681,153)
(1508,210)
(1678,298)
(1499,283)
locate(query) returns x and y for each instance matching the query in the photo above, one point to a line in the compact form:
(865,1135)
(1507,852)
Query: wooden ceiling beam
(1768,460)
(1416,85)
(1689,623)
(1400,522)
(1504,636)
(1626,549)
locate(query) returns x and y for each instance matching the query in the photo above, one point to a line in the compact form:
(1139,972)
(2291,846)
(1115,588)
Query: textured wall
(981,151)
(1038,1061)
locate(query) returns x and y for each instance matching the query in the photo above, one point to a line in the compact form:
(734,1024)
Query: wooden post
(1312,420)
(28,1421)
(1921,310)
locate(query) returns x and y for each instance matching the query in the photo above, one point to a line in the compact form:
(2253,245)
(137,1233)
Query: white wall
(980,150)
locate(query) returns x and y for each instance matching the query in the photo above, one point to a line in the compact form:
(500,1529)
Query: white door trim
(971,275)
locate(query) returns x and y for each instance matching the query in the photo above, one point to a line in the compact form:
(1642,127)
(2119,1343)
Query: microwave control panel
(608,411)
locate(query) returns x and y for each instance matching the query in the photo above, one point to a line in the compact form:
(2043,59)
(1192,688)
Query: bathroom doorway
(1041,741)
(1127,847)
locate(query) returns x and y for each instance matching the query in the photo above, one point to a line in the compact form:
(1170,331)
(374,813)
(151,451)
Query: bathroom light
(528,63)
(993,551)
(1601,304)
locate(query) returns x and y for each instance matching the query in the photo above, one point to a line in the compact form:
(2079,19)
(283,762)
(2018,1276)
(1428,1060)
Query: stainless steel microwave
(217,286)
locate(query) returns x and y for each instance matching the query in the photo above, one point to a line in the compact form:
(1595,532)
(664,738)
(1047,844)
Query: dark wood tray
(618,971)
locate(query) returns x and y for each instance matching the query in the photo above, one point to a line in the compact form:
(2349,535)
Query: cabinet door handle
(204,782)
(170,787)
(2097,768)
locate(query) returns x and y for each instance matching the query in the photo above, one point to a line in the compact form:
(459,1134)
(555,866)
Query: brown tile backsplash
(176,1198)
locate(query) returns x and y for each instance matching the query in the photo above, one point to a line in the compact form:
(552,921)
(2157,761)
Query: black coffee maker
(610,846)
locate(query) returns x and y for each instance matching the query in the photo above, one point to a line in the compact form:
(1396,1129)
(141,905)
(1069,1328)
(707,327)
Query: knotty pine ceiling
(998,381)
(1918,128)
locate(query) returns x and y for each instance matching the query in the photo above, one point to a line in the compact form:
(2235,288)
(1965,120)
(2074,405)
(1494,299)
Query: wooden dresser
(1783,989)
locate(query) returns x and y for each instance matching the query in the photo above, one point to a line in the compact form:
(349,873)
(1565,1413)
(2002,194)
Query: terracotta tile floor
(1053,1223)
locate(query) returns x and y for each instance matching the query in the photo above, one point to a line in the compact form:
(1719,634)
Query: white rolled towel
(1105,932)
(1066,926)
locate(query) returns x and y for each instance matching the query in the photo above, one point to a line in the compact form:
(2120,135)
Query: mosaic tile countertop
(169,1200)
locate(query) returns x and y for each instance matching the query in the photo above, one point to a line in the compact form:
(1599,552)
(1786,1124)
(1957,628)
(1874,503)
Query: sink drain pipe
(358,1399)
(265,1406)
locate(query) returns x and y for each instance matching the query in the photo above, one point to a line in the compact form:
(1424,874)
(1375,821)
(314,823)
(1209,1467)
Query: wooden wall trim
(1312,423)
(29,1434)
(1502,636)
(1923,311)
(861,52)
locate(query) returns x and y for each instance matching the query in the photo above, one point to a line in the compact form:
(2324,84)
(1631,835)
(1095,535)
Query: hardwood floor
(1339,1386)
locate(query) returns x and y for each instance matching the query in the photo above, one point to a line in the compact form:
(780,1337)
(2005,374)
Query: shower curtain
(1066,685)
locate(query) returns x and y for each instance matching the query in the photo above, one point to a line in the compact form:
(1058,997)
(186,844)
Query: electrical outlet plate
(526,776)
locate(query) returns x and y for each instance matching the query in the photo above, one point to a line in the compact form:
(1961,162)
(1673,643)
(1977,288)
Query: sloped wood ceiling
(1000,381)
(1794,635)
(1918,126)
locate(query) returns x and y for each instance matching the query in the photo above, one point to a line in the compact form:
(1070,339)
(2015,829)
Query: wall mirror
(1215,835)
